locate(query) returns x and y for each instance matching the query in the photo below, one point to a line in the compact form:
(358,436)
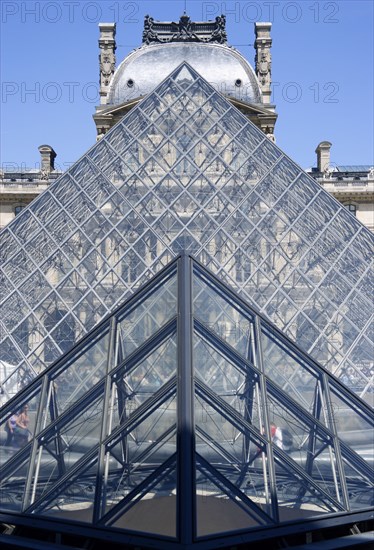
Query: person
(281,437)
(10,425)
(21,430)
(276,435)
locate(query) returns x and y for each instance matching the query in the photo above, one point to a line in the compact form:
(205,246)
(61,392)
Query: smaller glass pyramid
(159,423)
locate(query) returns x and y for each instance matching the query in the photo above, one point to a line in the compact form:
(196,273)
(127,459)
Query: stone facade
(263,59)
(19,187)
(107,58)
(352,186)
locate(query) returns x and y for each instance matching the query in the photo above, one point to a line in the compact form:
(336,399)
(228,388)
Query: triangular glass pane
(129,461)
(85,369)
(306,444)
(234,383)
(215,427)
(221,375)
(18,424)
(225,440)
(185,74)
(246,469)
(296,499)
(354,426)
(73,499)
(154,511)
(155,423)
(360,487)
(221,315)
(136,326)
(220,508)
(288,371)
(63,446)
(145,378)
(13,485)
(325,471)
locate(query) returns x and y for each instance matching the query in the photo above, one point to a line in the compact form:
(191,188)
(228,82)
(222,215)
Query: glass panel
(12,487)
(24,226)
(147,317)
(17,426)
(214,427)
(306,444)
(19,267)
(360,488)
(135,453)
(65,445)
(218,510)
(145,378)
(222,315)
(354,428)
(227,444)
(235,384)
(290,373)
(10,381)
(296,500)
(6,287)
(155,511)
(72,500)
(85,369)
(153,426)
(13,311)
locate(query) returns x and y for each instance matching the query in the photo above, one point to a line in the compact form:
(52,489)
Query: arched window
(352,208)
(17,209)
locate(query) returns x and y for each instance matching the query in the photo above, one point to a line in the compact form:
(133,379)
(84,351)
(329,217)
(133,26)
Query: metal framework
(185,170)
(158,423)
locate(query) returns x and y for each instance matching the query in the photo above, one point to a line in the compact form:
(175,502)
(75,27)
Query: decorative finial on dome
(185,30)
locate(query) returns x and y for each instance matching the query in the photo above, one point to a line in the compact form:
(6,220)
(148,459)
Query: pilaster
(262,46)
(107,58)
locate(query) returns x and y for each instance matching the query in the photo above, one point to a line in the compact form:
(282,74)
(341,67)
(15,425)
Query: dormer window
(17,209)
(352,208)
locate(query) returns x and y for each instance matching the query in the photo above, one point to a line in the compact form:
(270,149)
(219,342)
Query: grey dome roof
(223,67)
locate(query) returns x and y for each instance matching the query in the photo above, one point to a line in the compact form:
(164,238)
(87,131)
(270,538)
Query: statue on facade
(185,26)
(44,174)
(219,33)
(184,31)
(264,68)
(149,35)
(107,66)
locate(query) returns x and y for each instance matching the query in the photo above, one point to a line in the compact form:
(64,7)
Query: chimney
(263,59)
(323,156)
(48,156)
(107,58)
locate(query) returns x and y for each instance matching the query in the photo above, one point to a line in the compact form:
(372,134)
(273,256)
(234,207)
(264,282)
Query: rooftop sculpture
(185,30)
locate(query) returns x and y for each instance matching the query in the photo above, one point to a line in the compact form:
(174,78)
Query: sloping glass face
(100,424)
(266,435)
(185,170)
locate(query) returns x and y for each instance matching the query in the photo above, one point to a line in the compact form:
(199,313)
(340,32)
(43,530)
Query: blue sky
(322,71)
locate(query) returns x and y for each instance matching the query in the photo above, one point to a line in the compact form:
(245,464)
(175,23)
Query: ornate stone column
(263,59)
(107,58)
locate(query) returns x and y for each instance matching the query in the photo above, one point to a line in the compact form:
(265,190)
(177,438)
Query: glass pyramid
(185,170)
(161,424)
